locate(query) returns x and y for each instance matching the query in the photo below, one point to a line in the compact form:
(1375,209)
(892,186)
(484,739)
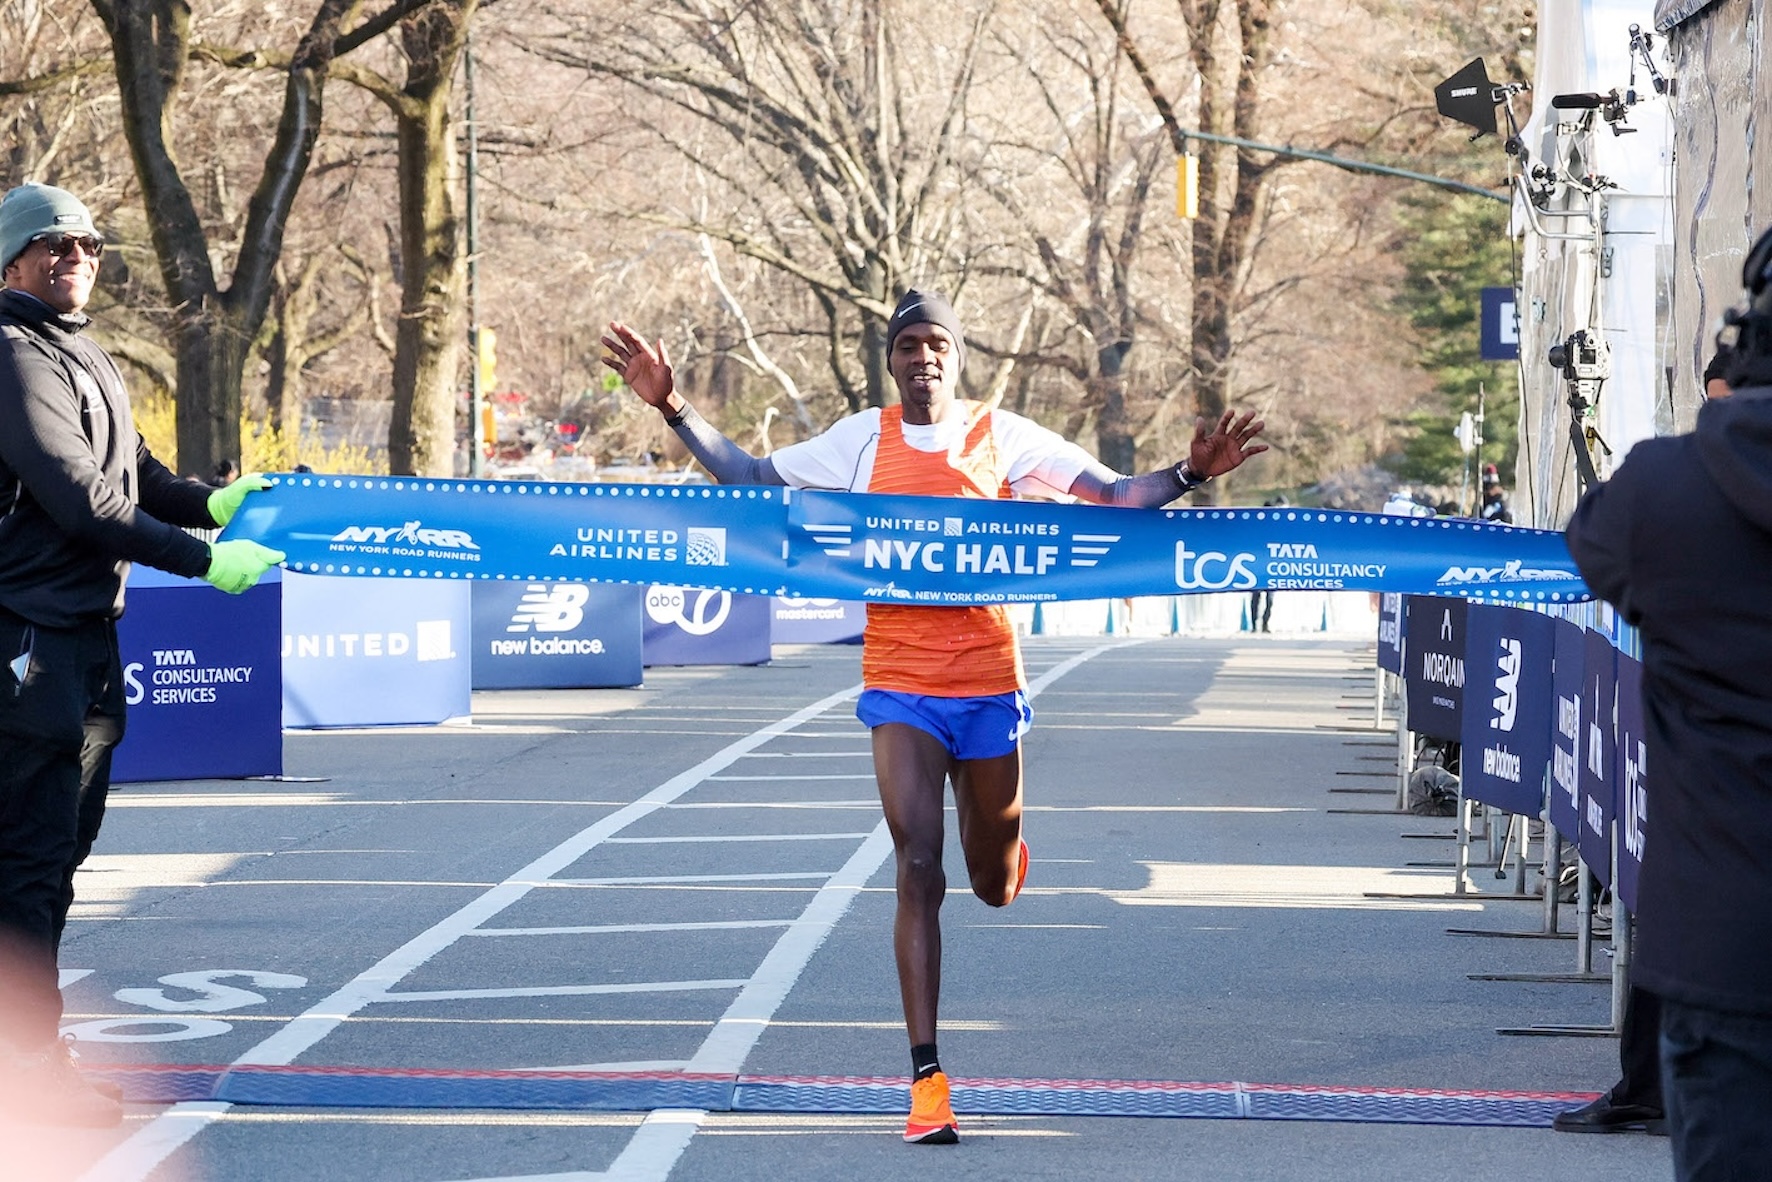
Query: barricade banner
(556,635)
(1599,747)
(867,547)
(374,652)
(1508,707)
(697,626)
(1570,648)
(1434,673)
(1390,633)
(816,621)
(1633,793)
(202,680)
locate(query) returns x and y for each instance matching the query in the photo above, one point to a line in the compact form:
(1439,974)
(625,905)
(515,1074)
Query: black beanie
(925,307)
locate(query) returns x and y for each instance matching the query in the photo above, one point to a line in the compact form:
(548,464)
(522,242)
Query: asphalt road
(690,880)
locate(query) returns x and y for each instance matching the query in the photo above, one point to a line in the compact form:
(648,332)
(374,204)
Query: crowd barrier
(203,680)
(1546,707)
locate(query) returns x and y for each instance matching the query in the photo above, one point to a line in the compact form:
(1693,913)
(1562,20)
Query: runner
(944,691)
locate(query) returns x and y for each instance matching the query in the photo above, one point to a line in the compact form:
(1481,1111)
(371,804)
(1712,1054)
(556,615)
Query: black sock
(923,1061)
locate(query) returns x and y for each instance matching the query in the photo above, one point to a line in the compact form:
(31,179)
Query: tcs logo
(1212,570)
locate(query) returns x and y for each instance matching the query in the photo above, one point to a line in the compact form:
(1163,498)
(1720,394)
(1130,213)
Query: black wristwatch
(1185,474)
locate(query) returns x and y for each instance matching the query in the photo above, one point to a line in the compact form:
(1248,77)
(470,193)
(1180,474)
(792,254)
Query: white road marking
(724,838)
(669,879)
(600,929)
(142,1153)
(565,990)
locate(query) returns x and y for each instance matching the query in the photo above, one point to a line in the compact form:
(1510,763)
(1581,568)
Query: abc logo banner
(689,626)
(555,635)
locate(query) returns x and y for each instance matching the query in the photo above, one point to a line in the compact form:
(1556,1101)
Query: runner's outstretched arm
(1212,454)
(647,371)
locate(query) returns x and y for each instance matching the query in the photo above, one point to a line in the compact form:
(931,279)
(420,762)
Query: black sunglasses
(62,244)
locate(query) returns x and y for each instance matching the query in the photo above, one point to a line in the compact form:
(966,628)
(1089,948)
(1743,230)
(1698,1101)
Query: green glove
(225,502)
(235,566)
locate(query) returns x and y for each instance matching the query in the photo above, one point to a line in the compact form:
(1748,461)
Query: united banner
(932,550)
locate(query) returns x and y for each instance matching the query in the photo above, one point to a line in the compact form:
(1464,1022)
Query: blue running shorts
(970,728)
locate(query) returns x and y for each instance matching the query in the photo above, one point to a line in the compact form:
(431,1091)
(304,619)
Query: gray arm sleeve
(1102,485)
(725,460)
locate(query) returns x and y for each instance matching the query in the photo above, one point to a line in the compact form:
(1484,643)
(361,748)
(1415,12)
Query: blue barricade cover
(1567,679)
(1434,672)
(202,680)
(794,620)
(374,652)
(697,626)
(1508,708)
(1633,793)
(933,550)
(1599,754)
(555,635)
(1390,632)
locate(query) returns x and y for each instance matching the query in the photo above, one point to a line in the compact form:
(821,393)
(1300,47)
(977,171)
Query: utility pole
(476,421)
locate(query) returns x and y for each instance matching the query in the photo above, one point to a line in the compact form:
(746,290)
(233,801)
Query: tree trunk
(214,328)
(1115,442)
(429,338)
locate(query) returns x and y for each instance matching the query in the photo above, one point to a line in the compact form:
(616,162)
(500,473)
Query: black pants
(1639,1051)
(1261,610)
(58,727)
(1716,1069)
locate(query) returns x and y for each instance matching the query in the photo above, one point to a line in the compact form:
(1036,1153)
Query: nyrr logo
(559,608)
(1507,685)
(412,533)
(707,546)
(1212,570)
(1512,572)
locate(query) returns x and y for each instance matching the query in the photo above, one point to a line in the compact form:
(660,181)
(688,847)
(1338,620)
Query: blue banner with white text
(931,550)
(1508,707)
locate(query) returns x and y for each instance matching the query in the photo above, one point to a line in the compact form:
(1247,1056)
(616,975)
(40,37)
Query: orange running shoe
(932,1117)
(1021,871)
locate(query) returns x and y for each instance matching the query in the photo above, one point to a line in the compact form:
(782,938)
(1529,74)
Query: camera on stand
(1585,362)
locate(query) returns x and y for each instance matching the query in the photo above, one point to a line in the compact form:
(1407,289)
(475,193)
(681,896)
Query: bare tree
(215,324)
(832,137)
(1080,250)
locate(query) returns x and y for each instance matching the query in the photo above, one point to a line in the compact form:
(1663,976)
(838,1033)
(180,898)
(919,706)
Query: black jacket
(1680,541)
(80,496)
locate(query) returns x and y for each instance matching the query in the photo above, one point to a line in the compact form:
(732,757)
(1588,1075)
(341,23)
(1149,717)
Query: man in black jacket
(81,498)
(1680,541)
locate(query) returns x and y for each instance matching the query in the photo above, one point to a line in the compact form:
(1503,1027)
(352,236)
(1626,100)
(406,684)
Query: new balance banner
(1508,707)
(1570,648)
(1434,668)
(555,635)
(866,547)
(1633,794)
(1599,751)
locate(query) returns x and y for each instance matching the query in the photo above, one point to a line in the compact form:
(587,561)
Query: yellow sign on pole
(1187,186)
(488,359)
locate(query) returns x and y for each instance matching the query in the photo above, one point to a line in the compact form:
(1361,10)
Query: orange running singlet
(945,652)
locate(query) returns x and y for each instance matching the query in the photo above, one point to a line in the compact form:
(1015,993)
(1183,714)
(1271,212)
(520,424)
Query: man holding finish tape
(81,498)
(944,687)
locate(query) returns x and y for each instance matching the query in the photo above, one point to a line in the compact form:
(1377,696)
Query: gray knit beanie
(30,210)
